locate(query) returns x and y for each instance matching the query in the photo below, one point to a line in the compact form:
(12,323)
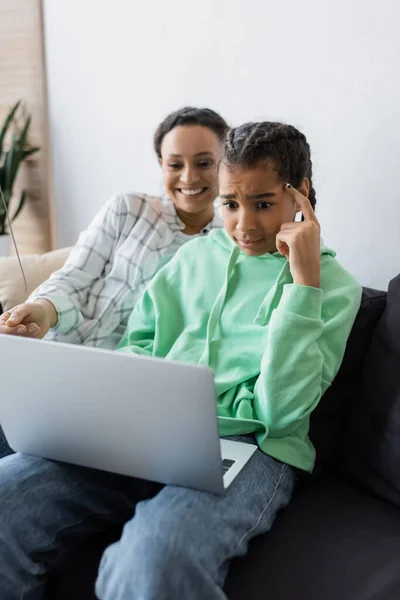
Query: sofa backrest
(328,418)
(37,267)
(370,447)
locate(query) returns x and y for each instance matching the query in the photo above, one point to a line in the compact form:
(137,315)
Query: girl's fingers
(289,226)
(303,203)
(281,244)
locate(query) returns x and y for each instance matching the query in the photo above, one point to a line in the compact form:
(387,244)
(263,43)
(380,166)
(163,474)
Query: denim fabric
(176,542)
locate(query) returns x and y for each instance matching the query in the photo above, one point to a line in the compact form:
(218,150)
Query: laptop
(143,417)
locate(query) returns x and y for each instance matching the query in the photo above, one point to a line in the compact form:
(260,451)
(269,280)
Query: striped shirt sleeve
(68,289)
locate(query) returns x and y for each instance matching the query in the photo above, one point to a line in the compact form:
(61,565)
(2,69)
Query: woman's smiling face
(189,162)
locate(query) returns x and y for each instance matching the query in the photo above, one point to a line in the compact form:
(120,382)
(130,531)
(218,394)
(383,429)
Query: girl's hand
(31,319)
(300,243)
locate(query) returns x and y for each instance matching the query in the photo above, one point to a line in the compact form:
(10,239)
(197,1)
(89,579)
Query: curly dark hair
(285,145)
(190,115)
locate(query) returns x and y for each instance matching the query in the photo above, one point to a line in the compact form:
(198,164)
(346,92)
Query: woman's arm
(68,289)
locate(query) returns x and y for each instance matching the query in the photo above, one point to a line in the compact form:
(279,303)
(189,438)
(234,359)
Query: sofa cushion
(5,449)
(333,542)
(371,445)
(327,419)
(37,267)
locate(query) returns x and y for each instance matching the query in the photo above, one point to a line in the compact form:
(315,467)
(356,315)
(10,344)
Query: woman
(271,318)
(90,299)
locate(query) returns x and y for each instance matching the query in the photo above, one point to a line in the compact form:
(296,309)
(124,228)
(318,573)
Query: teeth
(192,192)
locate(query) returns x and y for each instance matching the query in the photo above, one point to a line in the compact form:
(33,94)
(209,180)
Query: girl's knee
(143,563)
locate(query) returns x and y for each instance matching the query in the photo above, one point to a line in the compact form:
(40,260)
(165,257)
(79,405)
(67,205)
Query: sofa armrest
(37,267)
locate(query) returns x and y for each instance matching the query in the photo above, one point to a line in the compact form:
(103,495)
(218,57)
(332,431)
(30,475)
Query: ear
(160,161)
(304,188)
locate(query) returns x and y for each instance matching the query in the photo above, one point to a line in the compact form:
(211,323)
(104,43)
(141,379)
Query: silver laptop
(138,416)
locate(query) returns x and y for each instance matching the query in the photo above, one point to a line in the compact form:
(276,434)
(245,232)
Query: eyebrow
(249,196)
(198,154)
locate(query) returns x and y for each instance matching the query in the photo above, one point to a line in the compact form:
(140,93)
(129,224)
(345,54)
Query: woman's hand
(31,319)
(300,243)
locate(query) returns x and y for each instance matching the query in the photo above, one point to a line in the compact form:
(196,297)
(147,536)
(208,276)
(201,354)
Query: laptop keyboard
(226,464)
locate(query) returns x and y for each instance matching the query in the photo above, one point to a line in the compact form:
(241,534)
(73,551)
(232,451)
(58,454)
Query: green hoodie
(274,346)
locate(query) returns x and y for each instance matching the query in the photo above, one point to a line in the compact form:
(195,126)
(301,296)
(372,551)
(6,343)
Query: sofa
(339,539)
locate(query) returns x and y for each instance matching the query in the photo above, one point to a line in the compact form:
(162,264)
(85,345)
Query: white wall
(116,68)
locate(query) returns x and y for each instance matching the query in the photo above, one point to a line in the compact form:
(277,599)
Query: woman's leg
(179,544)
(47,508)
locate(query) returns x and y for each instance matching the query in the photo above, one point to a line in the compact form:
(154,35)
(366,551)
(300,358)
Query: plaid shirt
(128,241)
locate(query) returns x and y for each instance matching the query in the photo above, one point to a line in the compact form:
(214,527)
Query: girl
(269,310)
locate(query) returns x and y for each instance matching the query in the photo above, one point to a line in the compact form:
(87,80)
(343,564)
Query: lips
(249,243)
(190,192)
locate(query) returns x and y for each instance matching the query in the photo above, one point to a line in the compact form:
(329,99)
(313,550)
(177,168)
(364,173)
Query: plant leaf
(19,148)
(24,133)
(2,177)
(7,166)
(10,165)
(20,206)
(17,158)
(13,158)
(30,151)
(7,124)
(3,215)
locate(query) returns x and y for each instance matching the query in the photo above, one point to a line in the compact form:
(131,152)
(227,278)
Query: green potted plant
(12,155)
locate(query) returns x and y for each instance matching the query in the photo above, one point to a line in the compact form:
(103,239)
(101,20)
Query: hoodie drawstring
(216,310)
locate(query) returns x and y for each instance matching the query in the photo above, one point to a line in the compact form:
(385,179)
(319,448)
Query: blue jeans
(176,542)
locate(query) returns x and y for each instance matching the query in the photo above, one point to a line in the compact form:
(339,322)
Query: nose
(245,222)
(187,174)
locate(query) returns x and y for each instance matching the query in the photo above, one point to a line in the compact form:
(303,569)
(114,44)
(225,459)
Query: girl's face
(189,162)
(255,203)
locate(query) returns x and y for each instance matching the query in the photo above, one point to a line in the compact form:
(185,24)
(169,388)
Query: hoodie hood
(272,297)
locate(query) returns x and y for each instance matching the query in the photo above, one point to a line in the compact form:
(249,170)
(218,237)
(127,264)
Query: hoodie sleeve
(140,331)
(307,337)
(155,323)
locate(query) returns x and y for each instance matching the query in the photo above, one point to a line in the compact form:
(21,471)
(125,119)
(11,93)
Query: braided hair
(190,116)
(285,145)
